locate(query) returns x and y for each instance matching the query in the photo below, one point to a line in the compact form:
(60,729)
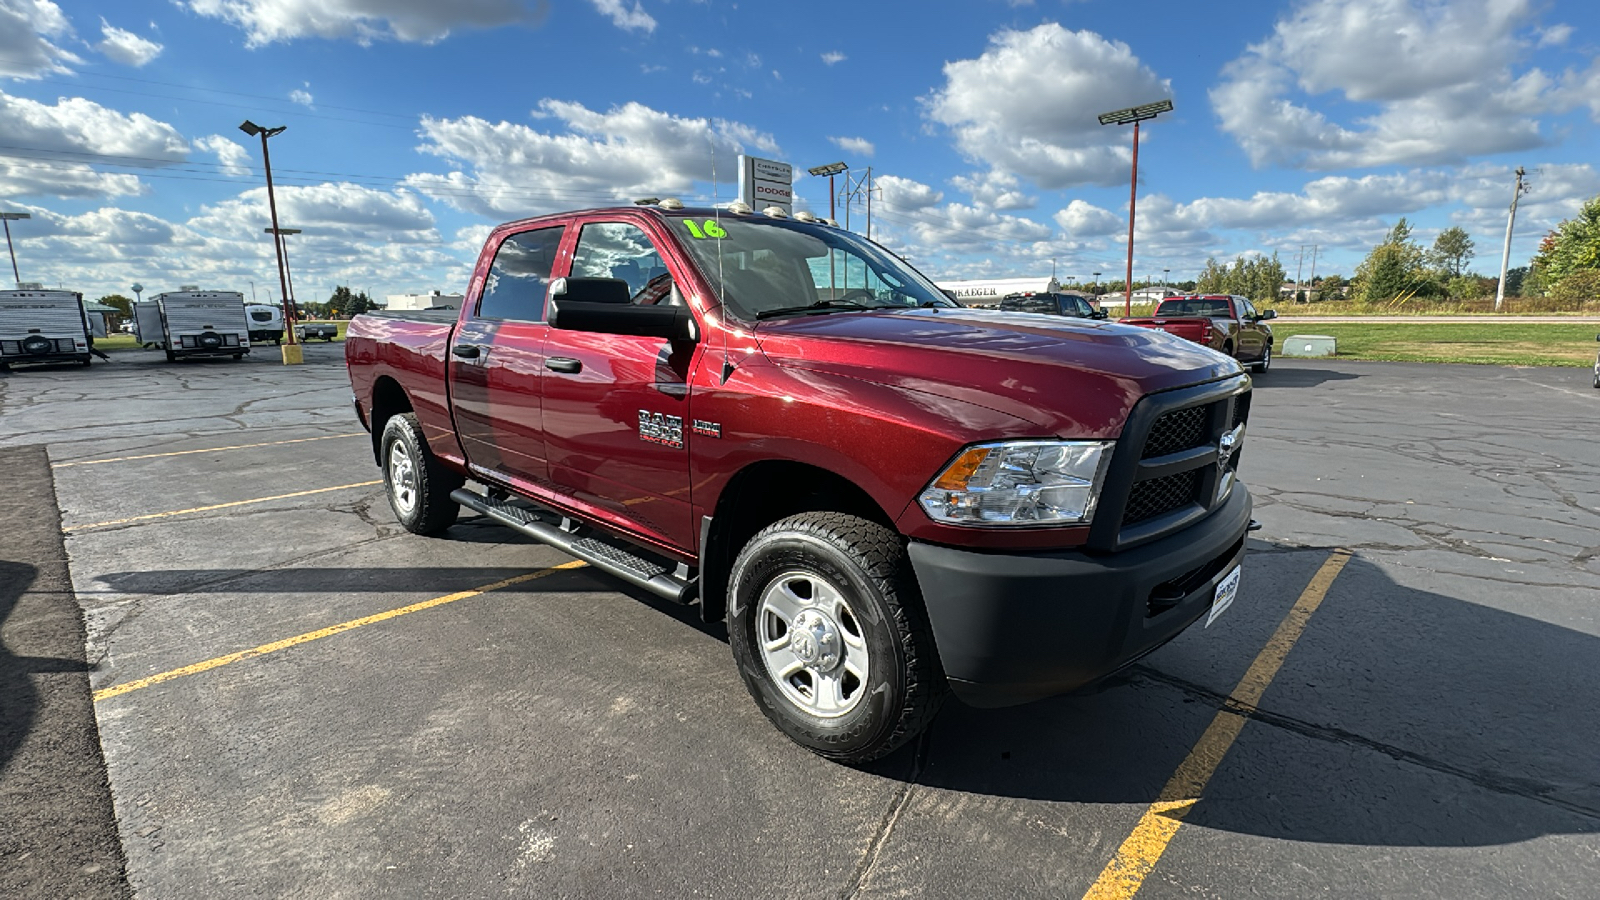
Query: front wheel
(830,636)
(418,486)
(1265,362)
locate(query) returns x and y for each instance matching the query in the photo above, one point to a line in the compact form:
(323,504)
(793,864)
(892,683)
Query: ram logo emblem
(660,428)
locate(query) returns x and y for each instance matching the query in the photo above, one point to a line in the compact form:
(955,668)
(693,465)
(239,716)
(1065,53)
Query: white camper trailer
(197,323)
(266,322)
(40,326)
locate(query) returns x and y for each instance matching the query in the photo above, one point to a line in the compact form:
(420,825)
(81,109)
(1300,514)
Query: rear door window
(520,276)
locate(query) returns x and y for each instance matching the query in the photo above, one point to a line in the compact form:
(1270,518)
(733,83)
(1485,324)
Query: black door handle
(563,364)
(466,351)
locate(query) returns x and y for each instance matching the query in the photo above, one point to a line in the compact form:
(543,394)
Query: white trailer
(989,291)
(40,326)
(203,323)
(266,322)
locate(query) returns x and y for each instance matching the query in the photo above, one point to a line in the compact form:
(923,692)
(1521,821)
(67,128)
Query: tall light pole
(1134,115)
(1505,255)
(252,129)
(7,218)
(282,235)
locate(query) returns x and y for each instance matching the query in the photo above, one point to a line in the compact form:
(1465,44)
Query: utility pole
(1313,271)
(869,203)
(1505,255)
(1299,263)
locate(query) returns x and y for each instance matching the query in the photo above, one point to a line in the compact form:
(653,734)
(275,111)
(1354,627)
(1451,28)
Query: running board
(656,577)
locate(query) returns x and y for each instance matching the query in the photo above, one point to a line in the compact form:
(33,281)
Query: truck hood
(1072,377)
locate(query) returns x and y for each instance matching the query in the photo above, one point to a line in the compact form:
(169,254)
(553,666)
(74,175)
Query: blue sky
(414,125)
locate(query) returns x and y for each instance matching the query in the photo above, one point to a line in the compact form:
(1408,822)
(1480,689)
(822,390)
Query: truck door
(1252,341)
(495,360)
(616,408)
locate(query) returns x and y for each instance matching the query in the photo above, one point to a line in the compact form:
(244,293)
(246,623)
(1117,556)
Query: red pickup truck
(1223,322)
(885,495)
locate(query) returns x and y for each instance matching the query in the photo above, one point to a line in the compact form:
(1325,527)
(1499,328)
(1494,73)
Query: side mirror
(1269,314)
(673,323)
(1099,314)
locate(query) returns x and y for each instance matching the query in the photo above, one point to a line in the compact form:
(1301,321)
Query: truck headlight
(1020,483)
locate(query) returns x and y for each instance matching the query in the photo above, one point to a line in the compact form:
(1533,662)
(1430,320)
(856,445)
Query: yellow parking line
(297,640)
(180,512)
(96,462)
(1125,874)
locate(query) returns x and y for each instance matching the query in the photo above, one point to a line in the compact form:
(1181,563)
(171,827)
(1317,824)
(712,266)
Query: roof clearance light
(830,222)
(804,216)
(740,208)
(775,212)
(671,203)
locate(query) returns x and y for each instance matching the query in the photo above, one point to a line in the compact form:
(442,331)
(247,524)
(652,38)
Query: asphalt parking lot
(296,698)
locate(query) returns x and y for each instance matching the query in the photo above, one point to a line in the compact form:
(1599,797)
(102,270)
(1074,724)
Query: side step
(654,576)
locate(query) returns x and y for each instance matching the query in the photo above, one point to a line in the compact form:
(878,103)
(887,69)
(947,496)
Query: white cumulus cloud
(1027,107)
(588,158)
(833,57)
(1430,83)
(301,97)
(64,137)
(126,47)
(30,36)
(628,19)
(233,157)
(858,146)
(424,21)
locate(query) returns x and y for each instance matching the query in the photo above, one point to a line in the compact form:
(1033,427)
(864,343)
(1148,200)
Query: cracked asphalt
(1430,734)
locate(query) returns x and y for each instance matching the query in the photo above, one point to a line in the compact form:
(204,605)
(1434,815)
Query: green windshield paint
(710,229)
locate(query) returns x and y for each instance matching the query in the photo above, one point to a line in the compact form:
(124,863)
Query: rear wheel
(87,360)
(829,634)
(417,484)
(172,357)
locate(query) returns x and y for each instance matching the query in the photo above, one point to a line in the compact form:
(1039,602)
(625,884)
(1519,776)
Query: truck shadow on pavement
(1298,376)
(19,698)
(1401,717)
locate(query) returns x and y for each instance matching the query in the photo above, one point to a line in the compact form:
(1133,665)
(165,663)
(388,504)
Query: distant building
(430,300)
(988,291)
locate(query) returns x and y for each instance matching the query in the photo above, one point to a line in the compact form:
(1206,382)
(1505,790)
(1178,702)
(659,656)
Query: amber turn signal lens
(955,477)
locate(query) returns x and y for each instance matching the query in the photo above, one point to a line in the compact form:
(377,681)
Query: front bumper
(1015,628)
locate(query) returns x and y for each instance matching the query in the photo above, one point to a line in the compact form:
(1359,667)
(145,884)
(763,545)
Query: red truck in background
(887,496)
(1223,322)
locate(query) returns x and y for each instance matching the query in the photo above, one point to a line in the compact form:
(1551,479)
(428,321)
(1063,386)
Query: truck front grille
(1158,496)
(1171,466)
(1176,431)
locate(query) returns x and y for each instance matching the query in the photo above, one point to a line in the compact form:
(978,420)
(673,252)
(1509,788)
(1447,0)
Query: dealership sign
(766,182)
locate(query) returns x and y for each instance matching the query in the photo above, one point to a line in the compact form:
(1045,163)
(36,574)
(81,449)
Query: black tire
(172,357)
(277,342)
(418,486)
(864,565)
(1265,362)
(86,361)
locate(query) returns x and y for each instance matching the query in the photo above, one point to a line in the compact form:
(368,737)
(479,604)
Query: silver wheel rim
(812,644)
(403,487)
(1266,360)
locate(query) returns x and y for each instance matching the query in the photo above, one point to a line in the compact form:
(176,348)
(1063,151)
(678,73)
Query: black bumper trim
(1015,628)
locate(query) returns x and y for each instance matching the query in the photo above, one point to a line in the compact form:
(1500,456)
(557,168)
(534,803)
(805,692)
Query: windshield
(765,267)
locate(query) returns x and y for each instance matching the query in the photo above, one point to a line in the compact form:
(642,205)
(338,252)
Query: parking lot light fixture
(254,130)
(7,218)
(830,170)
(1133,115)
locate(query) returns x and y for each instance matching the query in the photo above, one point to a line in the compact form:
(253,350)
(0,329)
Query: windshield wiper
(832,303)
